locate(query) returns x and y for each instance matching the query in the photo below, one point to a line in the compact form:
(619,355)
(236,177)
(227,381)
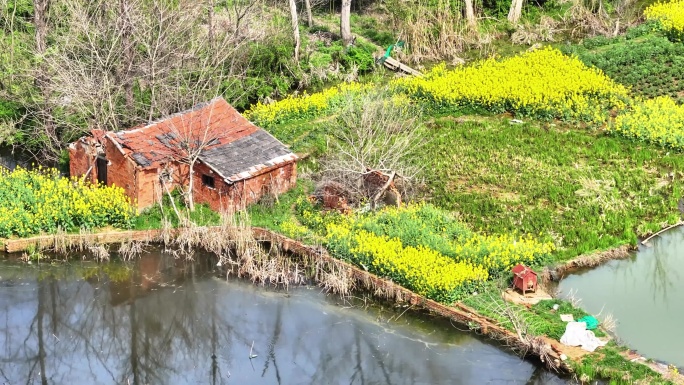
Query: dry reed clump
(131,249)
(166,233)
(61,244)
(100,252)
(334,278)
(590,18)
(525,342)
(529,33)
(435,33)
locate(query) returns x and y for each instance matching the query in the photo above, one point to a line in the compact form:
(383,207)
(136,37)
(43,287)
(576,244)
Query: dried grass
(608,321)
(589,18)
(529,33)
(100,252)
(131,249)
(436,33)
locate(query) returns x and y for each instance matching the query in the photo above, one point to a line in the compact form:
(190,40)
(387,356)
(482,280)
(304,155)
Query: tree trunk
(127,65)
(210,23)
(309,15)
(191,186)
(42,79)
(515,11)
(345,24)
(40,9)
(470,13)
(295,28)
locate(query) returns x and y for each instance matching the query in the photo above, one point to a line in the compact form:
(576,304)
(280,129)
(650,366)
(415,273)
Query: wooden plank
(394,64)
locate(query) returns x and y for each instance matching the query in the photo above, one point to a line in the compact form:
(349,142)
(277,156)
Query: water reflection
(167,322)
(643,293)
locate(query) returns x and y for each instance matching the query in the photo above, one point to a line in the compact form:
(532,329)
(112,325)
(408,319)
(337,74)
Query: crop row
(542,83)
(304,106)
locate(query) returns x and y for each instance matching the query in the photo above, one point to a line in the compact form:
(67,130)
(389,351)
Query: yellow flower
(670,15)
(543,83)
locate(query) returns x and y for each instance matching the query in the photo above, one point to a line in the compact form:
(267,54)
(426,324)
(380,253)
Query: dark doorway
(102,170)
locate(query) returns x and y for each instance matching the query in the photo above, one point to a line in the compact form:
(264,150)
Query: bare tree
(193,135)
(373,135)
(295,28)
(345,23)
(116,64)
(45,121)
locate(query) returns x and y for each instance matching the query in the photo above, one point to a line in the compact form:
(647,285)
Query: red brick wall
(149,189)
(145,188)
(225,197)
(80,161)
(121,171)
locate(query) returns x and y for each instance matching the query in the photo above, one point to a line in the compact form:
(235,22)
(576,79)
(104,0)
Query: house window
(208,181)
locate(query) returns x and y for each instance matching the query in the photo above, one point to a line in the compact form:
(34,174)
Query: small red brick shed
(524,278)
(237,162)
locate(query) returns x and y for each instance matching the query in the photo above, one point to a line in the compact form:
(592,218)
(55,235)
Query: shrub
(42,201)
(659,121)
(360,55)
(597,41)
(542,83)
(670,15)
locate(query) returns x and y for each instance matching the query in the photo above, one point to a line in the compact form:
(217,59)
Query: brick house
(236,162)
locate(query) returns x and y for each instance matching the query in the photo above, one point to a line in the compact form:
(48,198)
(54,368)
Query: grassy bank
(584,189)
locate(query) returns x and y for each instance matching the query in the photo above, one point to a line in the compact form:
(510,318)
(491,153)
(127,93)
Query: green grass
(606,363)
(151,218)
(609,364)
(539,319)
(586,190)
(304,137)
(552,325)
(373,29)
(272,214)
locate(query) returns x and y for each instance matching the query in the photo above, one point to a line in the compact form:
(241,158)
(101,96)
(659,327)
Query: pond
(162,321)
(644,293)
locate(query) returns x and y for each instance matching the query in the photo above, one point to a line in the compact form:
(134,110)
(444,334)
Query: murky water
(162,321)
(645,293)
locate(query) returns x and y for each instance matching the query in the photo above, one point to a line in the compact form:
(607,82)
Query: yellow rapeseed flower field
(659,121)
(669,14)
(420,269)
(544,83)
(41,200)
(425,249)
(295,107)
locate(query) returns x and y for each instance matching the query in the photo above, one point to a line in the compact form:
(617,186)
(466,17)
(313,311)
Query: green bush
(360,55)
